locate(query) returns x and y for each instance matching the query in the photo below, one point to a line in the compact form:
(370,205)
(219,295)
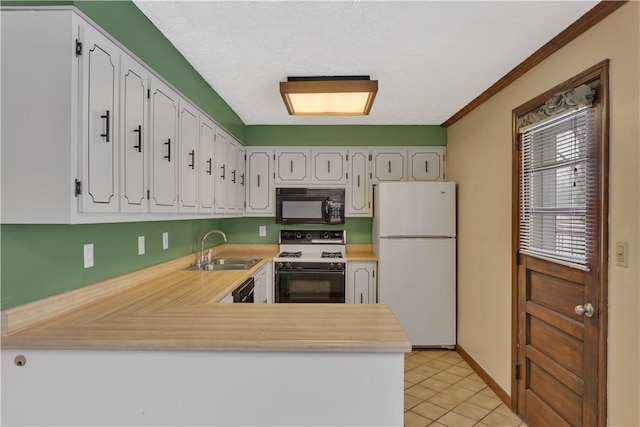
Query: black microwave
(309,205)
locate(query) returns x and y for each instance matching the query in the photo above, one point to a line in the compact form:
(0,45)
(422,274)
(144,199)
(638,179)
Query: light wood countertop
(179,311)
(360,253)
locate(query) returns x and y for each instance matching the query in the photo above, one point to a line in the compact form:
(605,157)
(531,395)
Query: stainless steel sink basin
(227,264)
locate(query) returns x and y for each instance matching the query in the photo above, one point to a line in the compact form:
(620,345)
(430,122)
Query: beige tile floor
(440,389)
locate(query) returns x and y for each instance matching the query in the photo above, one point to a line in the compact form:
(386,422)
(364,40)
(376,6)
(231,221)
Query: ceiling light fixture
(329,96)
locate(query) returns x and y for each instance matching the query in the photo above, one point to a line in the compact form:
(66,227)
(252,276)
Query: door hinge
(78,47)
(78,188)
(347,175)
(347,157)
(444,176)
(370,157)
(517,371)
(370,175)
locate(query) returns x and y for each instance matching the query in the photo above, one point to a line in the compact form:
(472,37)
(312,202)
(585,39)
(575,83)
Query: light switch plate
(262,230)
(622,254)
(88,255)
(140,245)
(165,240)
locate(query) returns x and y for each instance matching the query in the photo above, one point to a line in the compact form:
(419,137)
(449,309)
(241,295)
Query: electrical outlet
(88,255)
(140,245)
(165,240)
(622,254)
(262,230)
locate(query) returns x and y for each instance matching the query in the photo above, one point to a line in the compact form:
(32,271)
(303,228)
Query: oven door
(309,286)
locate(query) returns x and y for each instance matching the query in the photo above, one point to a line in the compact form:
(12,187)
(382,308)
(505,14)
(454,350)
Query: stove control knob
(340,266)
(332,266)
(280,265)
(287,265)
(299,236)
(308,236)
(326,235)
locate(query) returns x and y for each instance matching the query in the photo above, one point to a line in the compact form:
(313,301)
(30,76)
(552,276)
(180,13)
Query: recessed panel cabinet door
(134,82)
(99,110)
(221,172)
(426,164)
(292,166)
(388,165)
(358,188)
(205,173)
(329,166)
(241,179)
(362,282)
(260,192)
(188,172)
(232,170)
(164,145)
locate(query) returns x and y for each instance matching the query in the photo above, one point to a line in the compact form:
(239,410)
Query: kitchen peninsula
(165,352)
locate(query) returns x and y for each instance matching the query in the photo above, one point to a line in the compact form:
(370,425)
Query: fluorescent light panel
(326,97)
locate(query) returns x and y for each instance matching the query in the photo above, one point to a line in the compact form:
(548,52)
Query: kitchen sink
(227,264)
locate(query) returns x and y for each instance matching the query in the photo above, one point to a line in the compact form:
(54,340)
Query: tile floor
(440,389)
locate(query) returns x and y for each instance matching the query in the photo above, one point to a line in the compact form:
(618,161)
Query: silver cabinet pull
(586,310)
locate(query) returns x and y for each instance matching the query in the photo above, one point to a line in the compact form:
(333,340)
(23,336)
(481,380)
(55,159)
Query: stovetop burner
(331,254)
(285,254)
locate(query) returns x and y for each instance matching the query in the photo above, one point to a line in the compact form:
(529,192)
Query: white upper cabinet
(134,142)
(426,164)
(388,165)
(241,178)
(260,192)
(293,166)
(329,166)
(205,172)
(358,191)
(99,137)
(164,147)
(189,126)
(221,172)
(232,180)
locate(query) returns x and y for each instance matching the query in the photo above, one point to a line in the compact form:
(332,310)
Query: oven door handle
(327,210)
(310,270)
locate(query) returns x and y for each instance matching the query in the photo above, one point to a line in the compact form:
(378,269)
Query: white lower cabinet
(227,299)
(361,283)
(263,286)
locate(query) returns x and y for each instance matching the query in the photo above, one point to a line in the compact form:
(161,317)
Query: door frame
(598,71)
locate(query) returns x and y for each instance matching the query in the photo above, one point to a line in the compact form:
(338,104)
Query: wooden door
(560,316)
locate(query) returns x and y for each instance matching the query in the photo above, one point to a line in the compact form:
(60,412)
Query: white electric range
(310,267)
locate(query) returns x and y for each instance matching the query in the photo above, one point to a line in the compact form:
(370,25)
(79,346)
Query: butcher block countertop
(180,311)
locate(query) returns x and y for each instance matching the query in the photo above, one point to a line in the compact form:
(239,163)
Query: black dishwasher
(244,292)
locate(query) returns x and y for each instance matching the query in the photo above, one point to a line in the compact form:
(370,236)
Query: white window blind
(555,191)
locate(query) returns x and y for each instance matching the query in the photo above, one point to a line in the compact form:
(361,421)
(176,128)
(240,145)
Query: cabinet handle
(258,180)
(209,163)
(223,171)
(358,181)
(139,132)
(192,165)
(389,166)
(242,180)
(361,298)
(233,173)
(328,166)
(426,166)
(168,144)
(291,166)
(107,118)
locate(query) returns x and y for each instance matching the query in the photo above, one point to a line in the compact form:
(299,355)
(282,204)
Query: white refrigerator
(414,238)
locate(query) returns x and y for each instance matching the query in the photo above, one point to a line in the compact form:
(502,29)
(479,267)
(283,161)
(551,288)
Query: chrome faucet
(202,256)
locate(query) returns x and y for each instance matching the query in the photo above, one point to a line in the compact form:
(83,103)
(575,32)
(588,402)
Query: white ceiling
(430,58)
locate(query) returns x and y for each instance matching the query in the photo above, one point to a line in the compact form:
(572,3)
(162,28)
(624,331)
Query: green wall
(37,261)
(43,260)
(363,135)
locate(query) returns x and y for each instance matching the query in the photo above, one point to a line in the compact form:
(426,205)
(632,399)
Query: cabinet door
(361,278)
(260,193)
(388,165)
(426,164)
(134,83)
(221,173)
(205,173)
(263,287)
(189,121)
(100,74)
(358,188)
(241,180)
(164,132)
(232,182)
(292,166)
(329,166)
